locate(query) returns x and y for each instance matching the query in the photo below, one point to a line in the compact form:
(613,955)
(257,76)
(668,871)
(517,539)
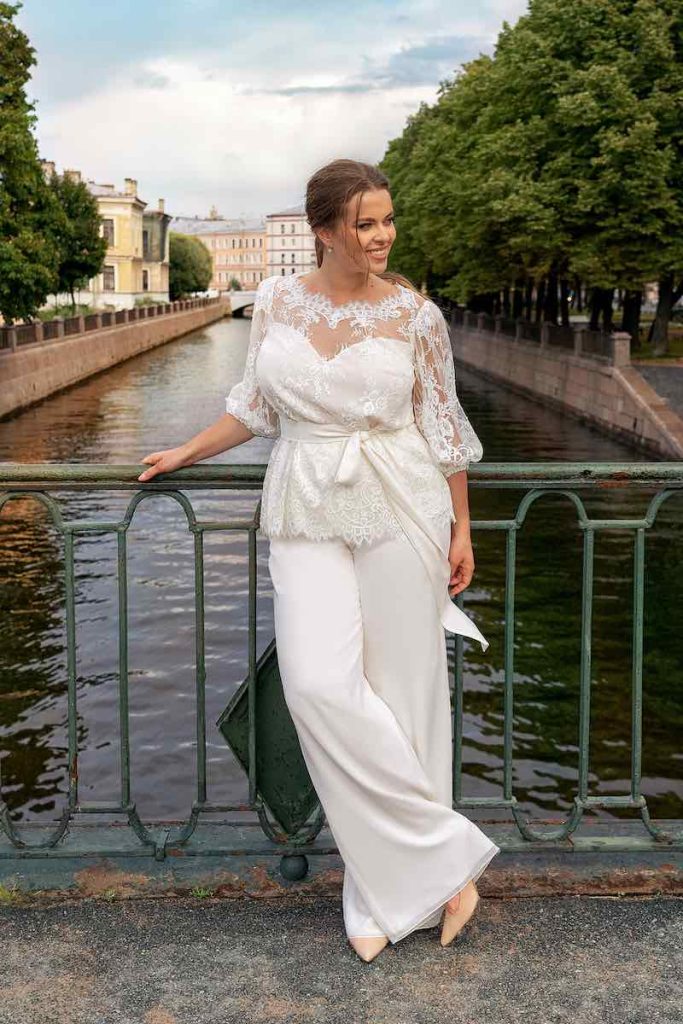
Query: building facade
(137,260)
(237,248)
(290,242)
(245,252)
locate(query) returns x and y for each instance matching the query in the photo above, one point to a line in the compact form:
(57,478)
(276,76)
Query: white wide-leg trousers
(362,658)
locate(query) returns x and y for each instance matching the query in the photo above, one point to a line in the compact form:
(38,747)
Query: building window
(108,230)
(293,257)
(108,278)
(293,228)
(145,280)
(282,257)
(260,243)
(233,243)
(282,228)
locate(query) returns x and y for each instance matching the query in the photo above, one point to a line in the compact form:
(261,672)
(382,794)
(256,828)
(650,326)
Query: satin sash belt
(375,444)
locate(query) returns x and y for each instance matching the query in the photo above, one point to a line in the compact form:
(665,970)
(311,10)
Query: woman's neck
(342,285)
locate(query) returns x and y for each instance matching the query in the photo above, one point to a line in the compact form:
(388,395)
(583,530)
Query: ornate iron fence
(260,732)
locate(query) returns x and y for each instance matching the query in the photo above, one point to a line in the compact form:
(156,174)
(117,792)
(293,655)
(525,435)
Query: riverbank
(36,371)
(254,961)
(606,392)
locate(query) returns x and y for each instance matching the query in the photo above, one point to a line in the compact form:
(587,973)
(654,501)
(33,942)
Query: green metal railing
(41,482)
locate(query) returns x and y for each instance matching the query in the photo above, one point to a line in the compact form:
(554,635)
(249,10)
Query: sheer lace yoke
(330,328)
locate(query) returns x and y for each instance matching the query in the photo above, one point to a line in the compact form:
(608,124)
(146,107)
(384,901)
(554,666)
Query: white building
(290,243)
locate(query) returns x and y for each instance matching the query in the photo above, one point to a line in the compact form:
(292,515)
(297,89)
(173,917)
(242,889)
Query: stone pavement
(183,960)
(666,379)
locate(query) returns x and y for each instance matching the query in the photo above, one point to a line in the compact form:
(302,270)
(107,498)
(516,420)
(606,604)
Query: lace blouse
(363,364)
(374,380)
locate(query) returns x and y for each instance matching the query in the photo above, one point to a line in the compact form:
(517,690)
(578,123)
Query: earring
(330,249)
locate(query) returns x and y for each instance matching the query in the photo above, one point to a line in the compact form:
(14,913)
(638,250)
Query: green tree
(556,161)
(190,265)
(29,253)
(82,249)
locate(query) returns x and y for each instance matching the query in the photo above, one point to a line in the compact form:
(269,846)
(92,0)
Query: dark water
(160,399)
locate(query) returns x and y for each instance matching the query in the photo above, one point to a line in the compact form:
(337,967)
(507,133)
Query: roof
(108,191)
(291,211)
(208,226)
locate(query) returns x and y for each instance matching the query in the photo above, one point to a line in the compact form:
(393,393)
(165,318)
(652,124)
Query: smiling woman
(350,369)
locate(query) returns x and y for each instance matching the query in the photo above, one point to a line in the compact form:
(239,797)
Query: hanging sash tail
(421,532)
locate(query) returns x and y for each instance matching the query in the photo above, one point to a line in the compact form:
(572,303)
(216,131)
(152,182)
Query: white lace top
(381,364)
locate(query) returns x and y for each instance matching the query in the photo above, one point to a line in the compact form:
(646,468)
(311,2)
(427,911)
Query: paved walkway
(667,380)
(208,961)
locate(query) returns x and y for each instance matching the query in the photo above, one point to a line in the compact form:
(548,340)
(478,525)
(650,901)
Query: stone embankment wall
(31,372)
(600,388)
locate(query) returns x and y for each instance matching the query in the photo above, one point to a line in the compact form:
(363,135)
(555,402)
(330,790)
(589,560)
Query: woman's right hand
(165,462)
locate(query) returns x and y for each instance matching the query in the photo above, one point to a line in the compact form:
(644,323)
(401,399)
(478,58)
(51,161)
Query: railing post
(98,321)
(578,341)
(621,348)
(498,320)
(544,332)
(12,338)
(80,324)
(38,331)
(480,321)
(59,327)
(518,329)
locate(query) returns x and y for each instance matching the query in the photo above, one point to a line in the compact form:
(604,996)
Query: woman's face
(373,220)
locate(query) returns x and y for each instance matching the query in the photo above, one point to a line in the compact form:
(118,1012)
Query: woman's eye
(363,226)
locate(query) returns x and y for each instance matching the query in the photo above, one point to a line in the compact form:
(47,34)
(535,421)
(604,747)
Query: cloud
(147,79)
(235,105)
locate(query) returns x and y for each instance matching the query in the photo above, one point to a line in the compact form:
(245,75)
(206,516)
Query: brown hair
(329,190)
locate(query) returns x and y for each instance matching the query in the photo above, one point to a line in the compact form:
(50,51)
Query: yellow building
(137,260)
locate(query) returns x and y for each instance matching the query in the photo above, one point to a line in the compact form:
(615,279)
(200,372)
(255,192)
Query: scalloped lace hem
(353,540)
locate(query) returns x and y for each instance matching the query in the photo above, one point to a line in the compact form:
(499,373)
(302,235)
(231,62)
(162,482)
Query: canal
(157,401)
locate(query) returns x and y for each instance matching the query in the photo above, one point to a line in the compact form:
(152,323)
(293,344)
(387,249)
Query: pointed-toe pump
(368,946)
(455,918)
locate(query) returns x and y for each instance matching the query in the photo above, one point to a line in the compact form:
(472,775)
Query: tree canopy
(191,266)
(558,158)
(29,255)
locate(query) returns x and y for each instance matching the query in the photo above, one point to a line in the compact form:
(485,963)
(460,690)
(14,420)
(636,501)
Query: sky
(236,104)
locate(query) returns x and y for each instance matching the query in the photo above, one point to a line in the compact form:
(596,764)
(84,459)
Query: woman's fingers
(461,577)
(152,471)
(154,458)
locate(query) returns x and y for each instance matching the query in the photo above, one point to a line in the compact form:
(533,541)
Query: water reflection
(158,400)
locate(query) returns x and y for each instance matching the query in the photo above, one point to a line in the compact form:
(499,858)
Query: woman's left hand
(461,558)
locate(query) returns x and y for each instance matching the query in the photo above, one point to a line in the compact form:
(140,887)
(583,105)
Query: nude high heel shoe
(368,946)
(458,912)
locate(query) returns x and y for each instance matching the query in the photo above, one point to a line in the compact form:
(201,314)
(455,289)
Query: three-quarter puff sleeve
(438,412)
(245,400)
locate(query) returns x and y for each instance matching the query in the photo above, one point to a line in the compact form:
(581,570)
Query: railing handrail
(101,475)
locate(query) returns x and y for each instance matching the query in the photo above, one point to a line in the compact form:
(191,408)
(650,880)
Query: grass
(675,346)
(10,894)
(200,892)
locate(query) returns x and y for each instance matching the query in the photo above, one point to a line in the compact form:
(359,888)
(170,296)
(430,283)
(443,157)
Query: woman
(365,506)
